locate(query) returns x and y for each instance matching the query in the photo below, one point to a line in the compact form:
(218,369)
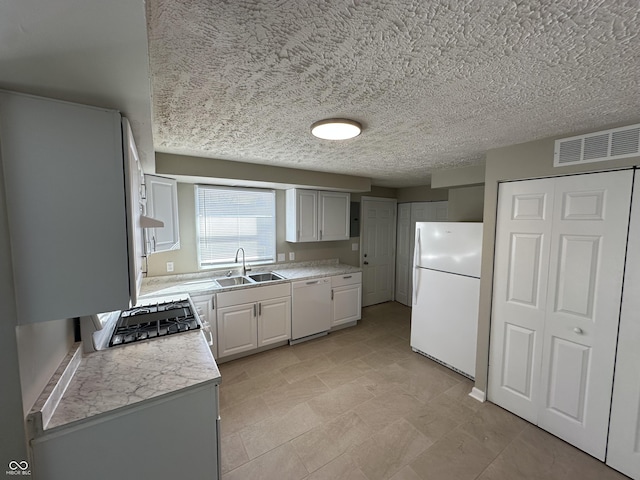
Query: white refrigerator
(446,292)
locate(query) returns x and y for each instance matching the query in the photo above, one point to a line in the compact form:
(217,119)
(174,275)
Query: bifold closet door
(567,275)
(623,450)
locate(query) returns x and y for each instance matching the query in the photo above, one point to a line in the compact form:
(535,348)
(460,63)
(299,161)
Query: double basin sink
(248,279)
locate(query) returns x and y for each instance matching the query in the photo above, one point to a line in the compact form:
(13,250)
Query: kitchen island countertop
(119,377)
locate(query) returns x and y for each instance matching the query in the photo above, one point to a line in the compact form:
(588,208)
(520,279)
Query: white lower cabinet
(253,317)
(237,329)
(346,298)
(274,321)
(206,307)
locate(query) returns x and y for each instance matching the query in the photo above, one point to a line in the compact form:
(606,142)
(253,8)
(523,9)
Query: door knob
(366,263)
(578,330)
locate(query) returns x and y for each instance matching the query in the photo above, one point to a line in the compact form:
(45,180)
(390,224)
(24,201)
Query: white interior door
(623,449)
(519,295)
(556,367)
(590,222)
(378,249)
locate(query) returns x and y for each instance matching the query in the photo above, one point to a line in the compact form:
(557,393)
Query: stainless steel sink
(265,277)
(233,281)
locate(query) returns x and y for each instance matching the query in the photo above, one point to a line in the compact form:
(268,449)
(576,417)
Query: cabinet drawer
(346,279)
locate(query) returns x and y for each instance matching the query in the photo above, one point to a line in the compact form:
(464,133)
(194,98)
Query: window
(229,218)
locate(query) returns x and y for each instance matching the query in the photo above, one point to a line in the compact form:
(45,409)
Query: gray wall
(466,204)
(185,259)
(517,162)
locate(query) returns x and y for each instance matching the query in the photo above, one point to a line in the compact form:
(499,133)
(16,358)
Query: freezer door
(449,247)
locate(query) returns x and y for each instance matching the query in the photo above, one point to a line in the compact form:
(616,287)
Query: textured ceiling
(435,83)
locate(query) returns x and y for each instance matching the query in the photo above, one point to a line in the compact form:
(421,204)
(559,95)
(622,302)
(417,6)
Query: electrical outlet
(169,266)
(292,256)
(281,257)
(354,247)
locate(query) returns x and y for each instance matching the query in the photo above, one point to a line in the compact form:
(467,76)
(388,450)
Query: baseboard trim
(478,394)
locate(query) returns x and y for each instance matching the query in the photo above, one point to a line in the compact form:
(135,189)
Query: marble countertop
(203,283)
(117,377)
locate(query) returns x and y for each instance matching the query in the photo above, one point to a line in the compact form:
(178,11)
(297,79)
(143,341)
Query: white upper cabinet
(66,203)
(314,216)
(162,204)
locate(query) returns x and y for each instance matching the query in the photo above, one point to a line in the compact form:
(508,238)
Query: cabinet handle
(260,308)
(578,330)
(213,302)
(254,310)
(320,234)
(153,240)
(332,294)
(312,283)
(347,276)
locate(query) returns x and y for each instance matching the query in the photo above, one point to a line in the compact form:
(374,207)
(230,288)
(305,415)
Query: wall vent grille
(611,144)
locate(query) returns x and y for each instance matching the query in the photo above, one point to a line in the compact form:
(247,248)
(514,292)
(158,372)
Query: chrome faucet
(244,267)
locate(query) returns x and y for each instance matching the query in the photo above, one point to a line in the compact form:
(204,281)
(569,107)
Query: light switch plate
(354,247)
(292,256)
(169,266)
(281,257)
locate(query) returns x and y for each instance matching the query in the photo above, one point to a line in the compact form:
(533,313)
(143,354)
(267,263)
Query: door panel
(378,251)
(517,369)
(623,449)
(520,285)
(588,246)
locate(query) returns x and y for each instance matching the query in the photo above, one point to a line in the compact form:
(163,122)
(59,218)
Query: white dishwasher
(311,308)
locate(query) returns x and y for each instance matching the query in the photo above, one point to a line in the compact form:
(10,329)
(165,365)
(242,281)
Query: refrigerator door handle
(416,257)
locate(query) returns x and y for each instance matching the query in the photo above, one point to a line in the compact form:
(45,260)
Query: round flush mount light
(336,129)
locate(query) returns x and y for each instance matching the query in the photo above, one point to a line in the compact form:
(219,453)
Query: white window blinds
(230,218)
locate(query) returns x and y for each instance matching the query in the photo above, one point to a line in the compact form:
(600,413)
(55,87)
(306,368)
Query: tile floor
(359,404)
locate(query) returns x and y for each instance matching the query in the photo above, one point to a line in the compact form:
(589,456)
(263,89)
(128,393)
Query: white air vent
(599,146)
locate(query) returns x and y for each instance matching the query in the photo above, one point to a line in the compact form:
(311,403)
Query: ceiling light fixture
(336,129)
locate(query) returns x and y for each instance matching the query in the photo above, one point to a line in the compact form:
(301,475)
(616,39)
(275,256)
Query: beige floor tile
(282,399)
(313,348)
(406,473)
(386,452)
(493,427)
(460,393)
(458,456)
(342,468)
(276,430)
(382,411)
(306,368)
(337,401)
(383,340)
(252,387)
(349,352)
(344,373)
(279,463)
(242,414)
(233,453)
(323,444)
(270,361)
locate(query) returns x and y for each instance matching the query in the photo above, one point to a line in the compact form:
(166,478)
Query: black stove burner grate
(153,321)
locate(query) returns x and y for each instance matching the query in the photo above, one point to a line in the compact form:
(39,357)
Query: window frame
(197,226)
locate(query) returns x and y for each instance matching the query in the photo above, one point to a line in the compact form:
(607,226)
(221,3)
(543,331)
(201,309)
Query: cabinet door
(302,215)
(162,204)
(237,329)
(206,312)
(65,200)
(347,304)
(274,321)
(333,215)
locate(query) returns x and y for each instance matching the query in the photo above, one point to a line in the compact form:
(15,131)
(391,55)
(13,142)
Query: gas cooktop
(154,321)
